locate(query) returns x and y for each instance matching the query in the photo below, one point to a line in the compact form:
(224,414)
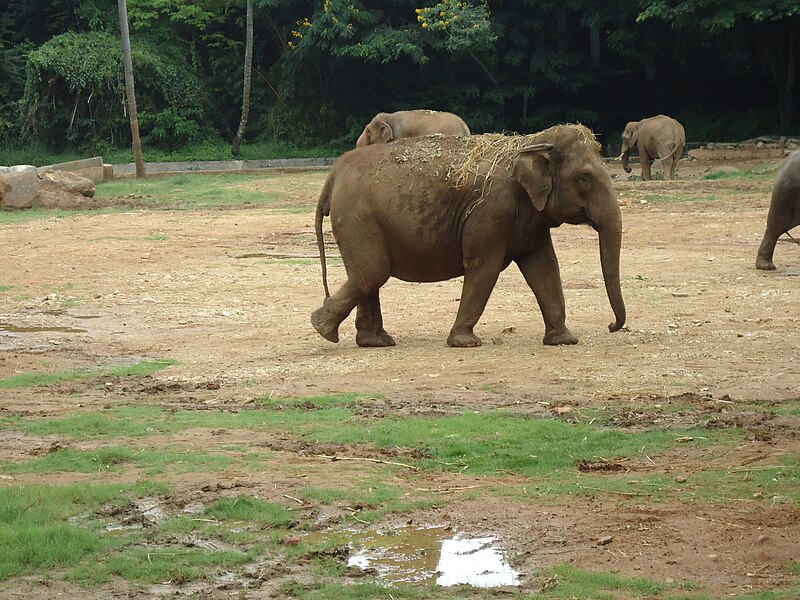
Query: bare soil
(217,291)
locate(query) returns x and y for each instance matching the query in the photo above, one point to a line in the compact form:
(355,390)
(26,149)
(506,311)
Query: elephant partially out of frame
(660,137)
(387,127)
(434,208)
(784,209)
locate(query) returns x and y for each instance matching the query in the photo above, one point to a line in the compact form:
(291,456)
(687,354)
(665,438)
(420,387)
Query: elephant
(386,127)
(434,208)
(660,137)
(784,209)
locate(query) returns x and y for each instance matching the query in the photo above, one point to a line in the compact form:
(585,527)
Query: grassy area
(91,539)
(138,369)
(207,150)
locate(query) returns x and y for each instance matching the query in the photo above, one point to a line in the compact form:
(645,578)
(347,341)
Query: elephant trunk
(626,153)
(610,231)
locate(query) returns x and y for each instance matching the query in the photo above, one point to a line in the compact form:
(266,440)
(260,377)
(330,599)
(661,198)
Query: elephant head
(630,137)
(377,131)
(569,183)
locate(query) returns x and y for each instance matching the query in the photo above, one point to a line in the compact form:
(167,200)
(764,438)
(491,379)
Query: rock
(5,188)
(69,182)
(22,185)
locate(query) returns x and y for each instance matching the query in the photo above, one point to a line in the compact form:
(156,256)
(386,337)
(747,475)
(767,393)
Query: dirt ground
(216,291)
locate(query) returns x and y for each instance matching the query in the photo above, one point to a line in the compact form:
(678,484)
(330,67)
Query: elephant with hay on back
(439,207)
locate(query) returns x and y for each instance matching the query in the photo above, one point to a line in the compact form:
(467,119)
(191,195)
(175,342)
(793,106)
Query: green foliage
(323,68)
(74,85)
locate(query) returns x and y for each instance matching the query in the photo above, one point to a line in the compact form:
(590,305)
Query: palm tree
(127,61)
(248,70)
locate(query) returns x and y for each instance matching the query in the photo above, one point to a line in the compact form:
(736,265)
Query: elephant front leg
(540,269)
(480,276)
(369,324)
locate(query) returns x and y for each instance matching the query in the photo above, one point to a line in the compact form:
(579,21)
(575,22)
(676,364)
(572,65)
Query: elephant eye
(584,183)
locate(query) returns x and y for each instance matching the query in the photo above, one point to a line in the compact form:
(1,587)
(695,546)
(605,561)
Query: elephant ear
(532,169)
(385,132)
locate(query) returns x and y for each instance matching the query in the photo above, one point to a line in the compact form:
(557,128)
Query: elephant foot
(463,340)
(330,333)
(765,264)
(369,339)
(560,337)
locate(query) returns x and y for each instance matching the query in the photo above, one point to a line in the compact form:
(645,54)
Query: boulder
(23,187)
(69,182)
(20,187)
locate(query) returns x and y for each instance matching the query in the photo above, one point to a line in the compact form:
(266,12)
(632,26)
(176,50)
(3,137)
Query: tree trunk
(248,70)
(782,42)
(127,62)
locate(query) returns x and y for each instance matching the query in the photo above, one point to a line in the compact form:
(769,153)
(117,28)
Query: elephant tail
(323,208)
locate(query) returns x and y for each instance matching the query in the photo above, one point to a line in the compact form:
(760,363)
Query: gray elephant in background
(386,127)
(660,137)
(784,209)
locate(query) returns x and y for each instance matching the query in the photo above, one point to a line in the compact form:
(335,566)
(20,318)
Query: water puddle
(432,555)
(18,329)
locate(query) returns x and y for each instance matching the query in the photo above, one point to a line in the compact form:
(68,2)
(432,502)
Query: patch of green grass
(675,198)
(189,191)
(132,238)
(36,530)
(246,508)
(139,369)
(118,458)
(762,172)
(5,288)
(166,563)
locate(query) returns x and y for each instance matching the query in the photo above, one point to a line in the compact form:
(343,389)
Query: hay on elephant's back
(490,153)
(477,159)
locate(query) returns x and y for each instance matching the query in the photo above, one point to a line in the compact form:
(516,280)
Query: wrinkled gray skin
(784,209)
(386,127)
(405,219)
(659,137)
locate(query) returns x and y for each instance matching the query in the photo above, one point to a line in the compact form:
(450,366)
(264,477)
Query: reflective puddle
(432,555)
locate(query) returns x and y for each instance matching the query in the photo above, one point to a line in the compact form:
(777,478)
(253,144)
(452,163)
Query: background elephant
(386,127)
(784,209)
(430,209)
(659,137)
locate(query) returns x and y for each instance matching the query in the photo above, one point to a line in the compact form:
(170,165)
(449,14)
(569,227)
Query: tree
(130,91)
(248,71)
(775,23)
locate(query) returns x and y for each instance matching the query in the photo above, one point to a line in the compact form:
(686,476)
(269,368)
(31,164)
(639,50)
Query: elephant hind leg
(362,285)
(369,324)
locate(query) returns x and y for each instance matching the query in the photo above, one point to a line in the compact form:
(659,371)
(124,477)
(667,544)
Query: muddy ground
(220,292)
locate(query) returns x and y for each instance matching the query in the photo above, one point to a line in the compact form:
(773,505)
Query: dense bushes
(74,94)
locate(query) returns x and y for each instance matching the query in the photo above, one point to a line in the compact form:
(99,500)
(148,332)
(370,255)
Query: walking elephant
(784,209)
(660,137)
(386,127)
(435,208)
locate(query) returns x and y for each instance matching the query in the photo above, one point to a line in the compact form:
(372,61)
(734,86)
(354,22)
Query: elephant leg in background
(540,269)
(646,162)
(369,324)
(480,277)
(673,166)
